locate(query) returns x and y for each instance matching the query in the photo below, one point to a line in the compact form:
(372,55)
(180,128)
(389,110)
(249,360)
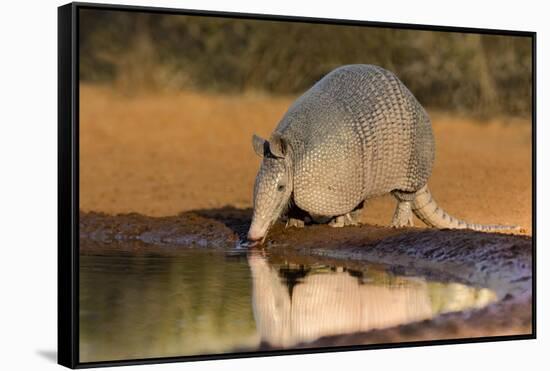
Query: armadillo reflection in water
(323,304)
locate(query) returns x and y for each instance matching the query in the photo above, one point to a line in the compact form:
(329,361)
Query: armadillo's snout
(256,233)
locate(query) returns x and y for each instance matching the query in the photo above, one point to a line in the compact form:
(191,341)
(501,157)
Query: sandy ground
(161,154)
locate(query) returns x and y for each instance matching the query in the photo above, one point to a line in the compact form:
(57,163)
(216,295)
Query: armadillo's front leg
(296,218)
(403,216)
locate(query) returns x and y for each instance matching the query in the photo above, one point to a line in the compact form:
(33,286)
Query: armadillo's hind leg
(403,215)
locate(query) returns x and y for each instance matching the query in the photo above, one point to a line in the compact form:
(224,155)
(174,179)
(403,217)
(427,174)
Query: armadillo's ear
(258,144)
(277,145)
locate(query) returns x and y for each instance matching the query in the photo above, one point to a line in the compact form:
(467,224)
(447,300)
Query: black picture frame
(68,181)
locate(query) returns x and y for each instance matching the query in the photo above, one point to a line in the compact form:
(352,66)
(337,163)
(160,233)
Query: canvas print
(257,185)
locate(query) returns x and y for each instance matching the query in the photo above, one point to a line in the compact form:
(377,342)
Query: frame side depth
(67,280)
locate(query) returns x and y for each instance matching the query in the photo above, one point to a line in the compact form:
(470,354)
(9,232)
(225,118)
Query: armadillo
(357,133)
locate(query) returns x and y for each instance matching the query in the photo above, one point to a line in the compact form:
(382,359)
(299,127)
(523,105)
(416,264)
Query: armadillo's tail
(427,210)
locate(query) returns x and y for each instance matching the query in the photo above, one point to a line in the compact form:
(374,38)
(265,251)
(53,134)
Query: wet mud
(500,262)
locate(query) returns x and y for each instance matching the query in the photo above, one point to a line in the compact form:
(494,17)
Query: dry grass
(161,154)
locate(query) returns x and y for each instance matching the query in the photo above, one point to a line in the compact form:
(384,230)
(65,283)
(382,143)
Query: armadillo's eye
(280,187)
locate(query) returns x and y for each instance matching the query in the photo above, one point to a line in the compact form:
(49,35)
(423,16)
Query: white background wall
(28,181)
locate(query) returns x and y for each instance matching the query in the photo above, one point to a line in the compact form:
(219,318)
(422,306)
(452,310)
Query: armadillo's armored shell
(357,133)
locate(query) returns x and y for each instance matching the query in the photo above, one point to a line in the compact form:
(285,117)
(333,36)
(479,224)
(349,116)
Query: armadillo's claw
(343,221)
(294,223)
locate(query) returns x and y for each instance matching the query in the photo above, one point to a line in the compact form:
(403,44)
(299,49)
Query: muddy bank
(135,233)
(214,228)
(502,263)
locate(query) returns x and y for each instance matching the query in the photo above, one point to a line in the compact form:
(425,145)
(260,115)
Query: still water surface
(205,302)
